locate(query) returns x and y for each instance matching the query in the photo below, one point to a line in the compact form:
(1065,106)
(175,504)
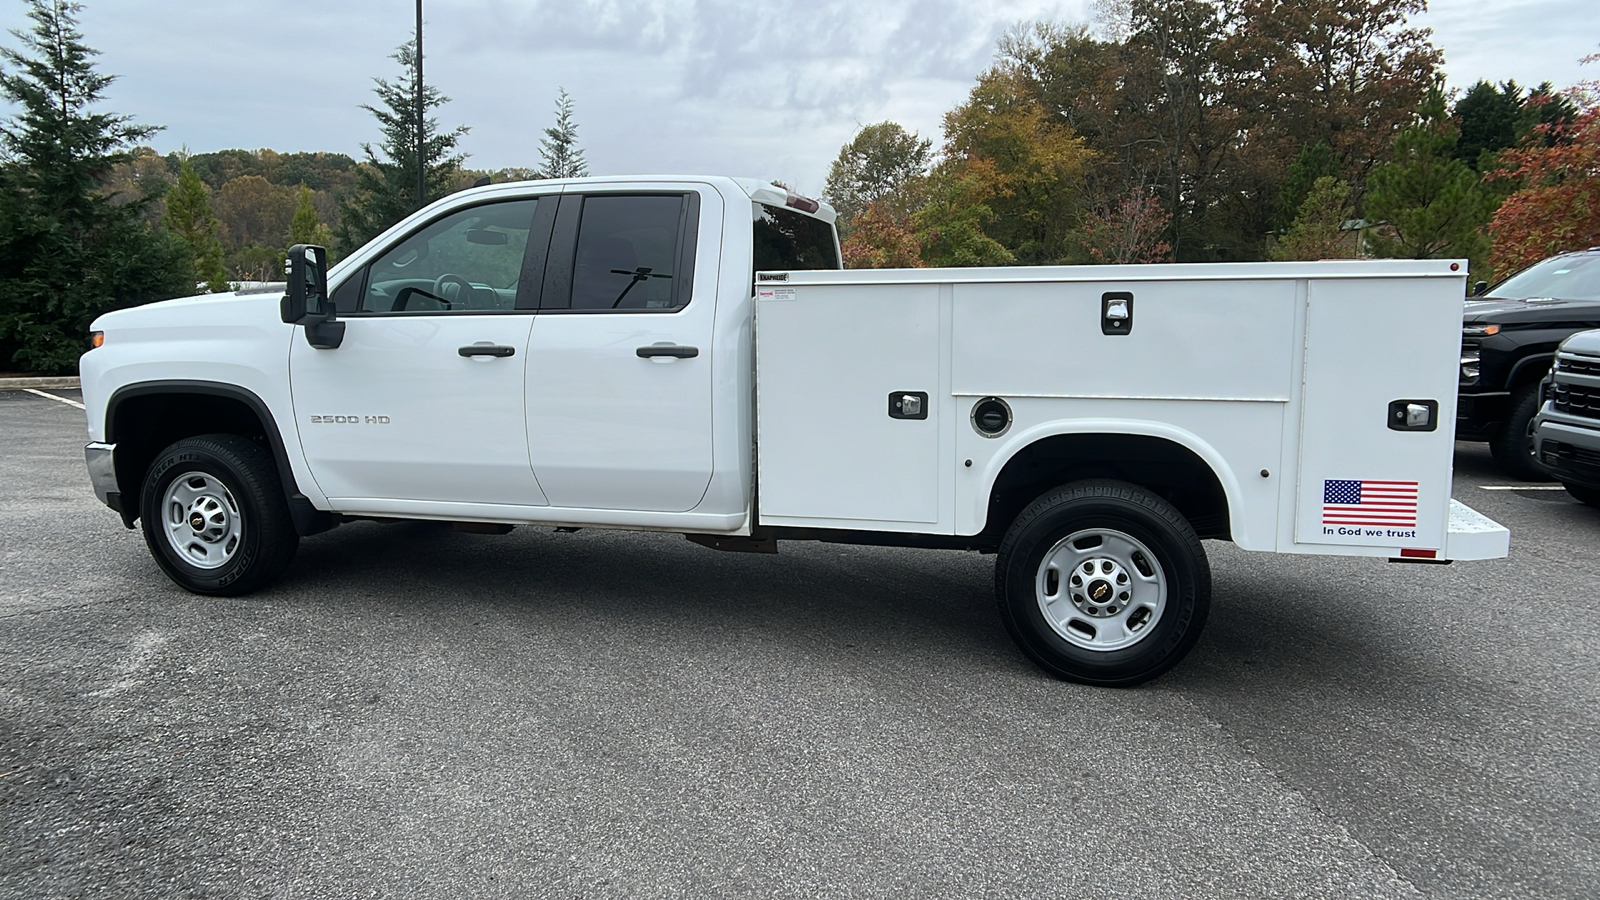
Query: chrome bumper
(103,473)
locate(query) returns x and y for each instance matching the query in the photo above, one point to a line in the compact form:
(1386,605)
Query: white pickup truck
(685,355)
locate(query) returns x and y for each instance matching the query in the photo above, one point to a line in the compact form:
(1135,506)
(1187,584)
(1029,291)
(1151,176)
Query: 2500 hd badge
(349,420)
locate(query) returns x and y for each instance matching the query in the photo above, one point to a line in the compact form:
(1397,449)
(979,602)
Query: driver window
(468,261)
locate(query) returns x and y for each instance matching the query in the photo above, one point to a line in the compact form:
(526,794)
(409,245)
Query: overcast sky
(768,88)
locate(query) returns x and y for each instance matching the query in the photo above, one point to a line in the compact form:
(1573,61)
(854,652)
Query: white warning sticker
(774,293)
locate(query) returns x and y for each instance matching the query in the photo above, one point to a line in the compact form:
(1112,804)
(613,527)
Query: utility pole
(422,156)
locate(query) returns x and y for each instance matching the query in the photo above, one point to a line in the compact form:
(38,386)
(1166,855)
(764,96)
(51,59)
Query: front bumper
(1570,451)
(1479,415)
(101,459)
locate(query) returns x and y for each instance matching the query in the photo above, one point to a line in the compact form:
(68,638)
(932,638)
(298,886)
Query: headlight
(1479,330)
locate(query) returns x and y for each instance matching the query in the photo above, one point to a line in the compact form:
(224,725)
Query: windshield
(1561,278)
(787,241)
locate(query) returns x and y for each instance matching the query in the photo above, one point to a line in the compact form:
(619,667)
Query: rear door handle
(672,350)
(498,351)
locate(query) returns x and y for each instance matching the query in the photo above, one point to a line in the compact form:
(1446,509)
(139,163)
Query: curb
(22,384)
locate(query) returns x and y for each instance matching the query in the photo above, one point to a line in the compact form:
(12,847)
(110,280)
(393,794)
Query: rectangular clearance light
(1407,553)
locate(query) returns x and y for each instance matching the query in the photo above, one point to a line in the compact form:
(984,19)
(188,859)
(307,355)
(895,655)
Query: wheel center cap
(197,521)
(1100,591)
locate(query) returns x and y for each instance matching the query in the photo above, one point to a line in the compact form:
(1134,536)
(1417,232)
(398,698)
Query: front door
(424,399)
(620,359)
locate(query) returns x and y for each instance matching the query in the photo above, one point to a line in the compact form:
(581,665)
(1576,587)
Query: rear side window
(787,240)
(628,253)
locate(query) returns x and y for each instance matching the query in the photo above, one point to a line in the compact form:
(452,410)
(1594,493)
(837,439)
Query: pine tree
(190,219)
(1317,231)
(1429,204)
(306,227)
(559,149)
(67,251)
(386,184)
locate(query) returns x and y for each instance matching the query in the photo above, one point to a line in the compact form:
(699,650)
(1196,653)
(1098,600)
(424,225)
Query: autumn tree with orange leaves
(1557,206)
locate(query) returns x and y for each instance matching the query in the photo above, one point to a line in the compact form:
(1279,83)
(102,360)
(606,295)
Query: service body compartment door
(833,451)
(1378,350)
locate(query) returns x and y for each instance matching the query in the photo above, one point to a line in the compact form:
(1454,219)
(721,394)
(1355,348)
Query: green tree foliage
(950,223)
(68,252)
(190,219)
(1491,119)
(1426,203)
(559,152)
(877,163)
(1035,163)
(1312,165)
(1318,231)
(386,185)
(306,227)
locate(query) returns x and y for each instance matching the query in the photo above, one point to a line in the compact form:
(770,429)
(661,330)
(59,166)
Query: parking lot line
(1520,487)
(54,397)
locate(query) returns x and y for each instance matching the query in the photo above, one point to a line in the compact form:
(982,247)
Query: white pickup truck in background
(685,355)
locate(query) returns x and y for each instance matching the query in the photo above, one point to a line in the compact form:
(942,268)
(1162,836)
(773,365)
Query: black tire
(1113,508)
(1583,494)
(235,481)
(1512,445)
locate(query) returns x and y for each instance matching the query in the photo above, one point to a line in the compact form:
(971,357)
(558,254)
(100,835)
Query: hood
(1493,309)
(1585,342)
(198,308)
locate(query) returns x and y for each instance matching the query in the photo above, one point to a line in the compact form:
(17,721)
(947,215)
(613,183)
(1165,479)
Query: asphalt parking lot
(415,712)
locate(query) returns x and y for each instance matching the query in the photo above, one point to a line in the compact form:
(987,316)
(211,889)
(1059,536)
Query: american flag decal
(1392,503)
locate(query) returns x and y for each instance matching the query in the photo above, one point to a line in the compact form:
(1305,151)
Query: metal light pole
(422,156)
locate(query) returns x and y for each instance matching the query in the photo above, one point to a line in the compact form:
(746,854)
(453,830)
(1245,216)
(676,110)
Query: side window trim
(557,287)
(556,295)
(535,259)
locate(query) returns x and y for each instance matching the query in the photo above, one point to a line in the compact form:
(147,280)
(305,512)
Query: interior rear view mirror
(485,236)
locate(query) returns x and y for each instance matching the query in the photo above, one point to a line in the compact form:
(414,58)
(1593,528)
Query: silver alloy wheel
(201,520)
(1101,589)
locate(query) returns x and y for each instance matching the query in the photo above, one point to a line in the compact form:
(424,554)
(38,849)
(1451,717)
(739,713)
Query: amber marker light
(96,338)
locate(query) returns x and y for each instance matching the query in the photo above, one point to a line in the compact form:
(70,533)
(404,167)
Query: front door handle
(672,350)
(498,351)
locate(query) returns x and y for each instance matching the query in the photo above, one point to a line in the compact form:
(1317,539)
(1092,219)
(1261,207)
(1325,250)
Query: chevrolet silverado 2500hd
(686,355)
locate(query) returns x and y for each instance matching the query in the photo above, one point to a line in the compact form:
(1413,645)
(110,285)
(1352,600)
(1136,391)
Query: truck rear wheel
(214,515)
(1102,583)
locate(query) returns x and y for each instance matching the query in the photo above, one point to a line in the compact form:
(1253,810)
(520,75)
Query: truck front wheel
(1512,445)
(1102,583)
(215,517)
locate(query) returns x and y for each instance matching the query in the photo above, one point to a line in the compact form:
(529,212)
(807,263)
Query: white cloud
(769,88)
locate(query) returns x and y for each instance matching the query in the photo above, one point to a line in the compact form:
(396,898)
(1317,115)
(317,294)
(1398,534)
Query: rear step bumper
(1474,535)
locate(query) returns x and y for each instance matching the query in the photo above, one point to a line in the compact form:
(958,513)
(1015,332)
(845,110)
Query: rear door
(620,359)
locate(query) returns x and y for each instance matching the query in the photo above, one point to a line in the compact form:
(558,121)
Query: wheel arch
(1172,462)
(145,417)
(1530,369)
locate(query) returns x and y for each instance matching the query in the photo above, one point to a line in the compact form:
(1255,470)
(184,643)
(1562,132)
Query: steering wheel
(463,299)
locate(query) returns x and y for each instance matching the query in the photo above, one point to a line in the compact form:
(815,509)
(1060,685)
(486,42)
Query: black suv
(1509,336)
